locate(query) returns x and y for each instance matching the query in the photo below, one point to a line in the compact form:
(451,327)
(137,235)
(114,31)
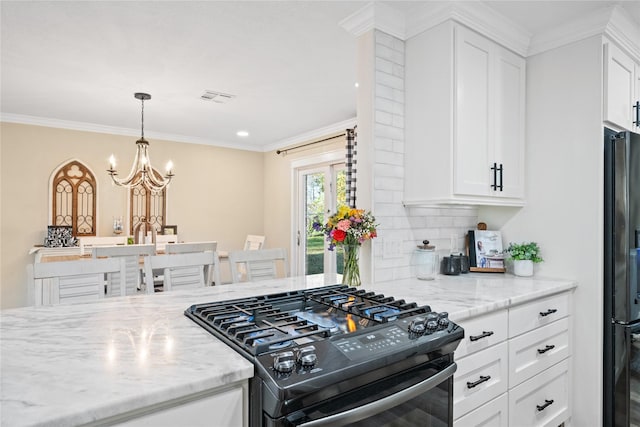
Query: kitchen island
(121,357)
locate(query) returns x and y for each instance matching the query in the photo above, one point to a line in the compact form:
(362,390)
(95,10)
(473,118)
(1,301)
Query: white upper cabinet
(621,88)
(465,99)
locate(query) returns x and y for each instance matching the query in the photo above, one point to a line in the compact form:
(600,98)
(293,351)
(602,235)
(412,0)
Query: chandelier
(141,172)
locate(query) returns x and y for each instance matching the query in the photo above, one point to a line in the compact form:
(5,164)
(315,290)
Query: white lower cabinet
(224,408)
(480,377)
(492,414)
(514,366)
(543,400)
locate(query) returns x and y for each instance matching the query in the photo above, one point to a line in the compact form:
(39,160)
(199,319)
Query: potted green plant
(523,256)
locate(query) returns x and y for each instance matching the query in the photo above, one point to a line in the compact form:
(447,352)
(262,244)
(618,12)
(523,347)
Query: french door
(321,189)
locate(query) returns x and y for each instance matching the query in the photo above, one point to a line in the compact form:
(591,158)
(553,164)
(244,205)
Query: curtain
(351,163)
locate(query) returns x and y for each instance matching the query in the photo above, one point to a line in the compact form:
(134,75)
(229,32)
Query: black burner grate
(270,322)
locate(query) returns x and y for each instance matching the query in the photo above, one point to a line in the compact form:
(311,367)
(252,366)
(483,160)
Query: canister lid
(426,246)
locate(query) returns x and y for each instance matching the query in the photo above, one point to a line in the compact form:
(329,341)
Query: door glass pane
(314,211)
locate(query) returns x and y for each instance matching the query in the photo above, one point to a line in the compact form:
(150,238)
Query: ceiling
(289,64)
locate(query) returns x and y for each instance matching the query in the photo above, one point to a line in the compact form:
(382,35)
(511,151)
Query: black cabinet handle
(483,335)
(548,312)
(494,168)
(637,107)
(480,381)
(547,348)
(500,169)
(546,403)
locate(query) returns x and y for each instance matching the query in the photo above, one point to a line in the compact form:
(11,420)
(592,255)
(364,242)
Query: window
(74,198)
(148,204)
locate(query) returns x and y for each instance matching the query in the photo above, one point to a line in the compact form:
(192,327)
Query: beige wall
(217,194)
(278,190)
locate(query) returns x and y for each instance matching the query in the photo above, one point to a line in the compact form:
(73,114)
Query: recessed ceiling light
(357,84)
(242,133)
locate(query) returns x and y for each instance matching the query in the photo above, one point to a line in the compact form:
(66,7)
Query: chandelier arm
(137,165)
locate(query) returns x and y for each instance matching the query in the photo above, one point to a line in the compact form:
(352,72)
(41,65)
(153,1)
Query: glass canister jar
(426,261)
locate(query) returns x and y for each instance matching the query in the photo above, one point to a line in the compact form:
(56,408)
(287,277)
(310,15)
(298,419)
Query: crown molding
(112,130)
(611,21)
(311,135)
(587,26)
(624,32)
(475,15)
(375,15)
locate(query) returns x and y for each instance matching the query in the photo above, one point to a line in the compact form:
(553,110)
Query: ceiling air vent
(218,97)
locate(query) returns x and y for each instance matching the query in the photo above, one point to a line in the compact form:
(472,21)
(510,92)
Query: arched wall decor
(148,204)
(73,190)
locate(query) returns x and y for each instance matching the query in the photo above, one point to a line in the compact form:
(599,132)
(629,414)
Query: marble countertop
(74,364)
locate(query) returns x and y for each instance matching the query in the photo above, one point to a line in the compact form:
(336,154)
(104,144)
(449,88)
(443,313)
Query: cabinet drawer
(492,414)
(480,377)
(535,351)
(482,332)
(543,400)
(537,313)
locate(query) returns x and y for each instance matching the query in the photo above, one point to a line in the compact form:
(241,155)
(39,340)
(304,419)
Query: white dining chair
(254,242)
(212,272)
(259,265)
(131,254)
(87,243)
(162,240)
(179,270)
(75,281)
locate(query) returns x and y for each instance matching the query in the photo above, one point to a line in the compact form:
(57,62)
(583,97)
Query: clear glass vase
(351,272)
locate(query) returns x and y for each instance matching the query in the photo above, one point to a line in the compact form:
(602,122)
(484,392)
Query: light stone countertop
(75,364)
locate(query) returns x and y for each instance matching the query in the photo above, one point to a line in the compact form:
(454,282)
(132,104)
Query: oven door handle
(364,411)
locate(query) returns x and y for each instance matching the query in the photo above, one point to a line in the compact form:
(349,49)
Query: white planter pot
(523,267)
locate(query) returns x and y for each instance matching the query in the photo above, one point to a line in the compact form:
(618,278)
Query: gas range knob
(284,362)
(443,320)
(432,326)
(307,356)
(417,326)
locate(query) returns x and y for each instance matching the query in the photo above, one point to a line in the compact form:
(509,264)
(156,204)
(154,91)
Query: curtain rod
(309,143)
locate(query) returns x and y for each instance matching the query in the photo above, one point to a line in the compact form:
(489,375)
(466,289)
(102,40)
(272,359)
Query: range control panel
(377,342)
(402,334)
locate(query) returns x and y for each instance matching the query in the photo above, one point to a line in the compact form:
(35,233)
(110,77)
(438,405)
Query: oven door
(421,396)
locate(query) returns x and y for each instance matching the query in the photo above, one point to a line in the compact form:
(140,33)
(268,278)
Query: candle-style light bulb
(112,161)
(169,166)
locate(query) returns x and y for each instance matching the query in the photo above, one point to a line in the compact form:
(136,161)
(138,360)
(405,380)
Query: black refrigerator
(621,279)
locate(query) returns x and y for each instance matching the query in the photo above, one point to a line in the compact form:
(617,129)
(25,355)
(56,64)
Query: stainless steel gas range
(334,355)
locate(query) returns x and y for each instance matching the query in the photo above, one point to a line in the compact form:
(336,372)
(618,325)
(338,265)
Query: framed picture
(485,251)
(169,230)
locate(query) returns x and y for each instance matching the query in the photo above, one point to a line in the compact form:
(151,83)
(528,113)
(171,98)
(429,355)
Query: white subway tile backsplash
(387,183)
(384,39)
(389,209)
(393,55)
(384,118)
(383,196)
(397,70)
(390,158)
(385,144)
(384,104)
(387,131)
(388,170)
(397,121)
(386,92)
(398,146)
(384,65)
(389,80)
